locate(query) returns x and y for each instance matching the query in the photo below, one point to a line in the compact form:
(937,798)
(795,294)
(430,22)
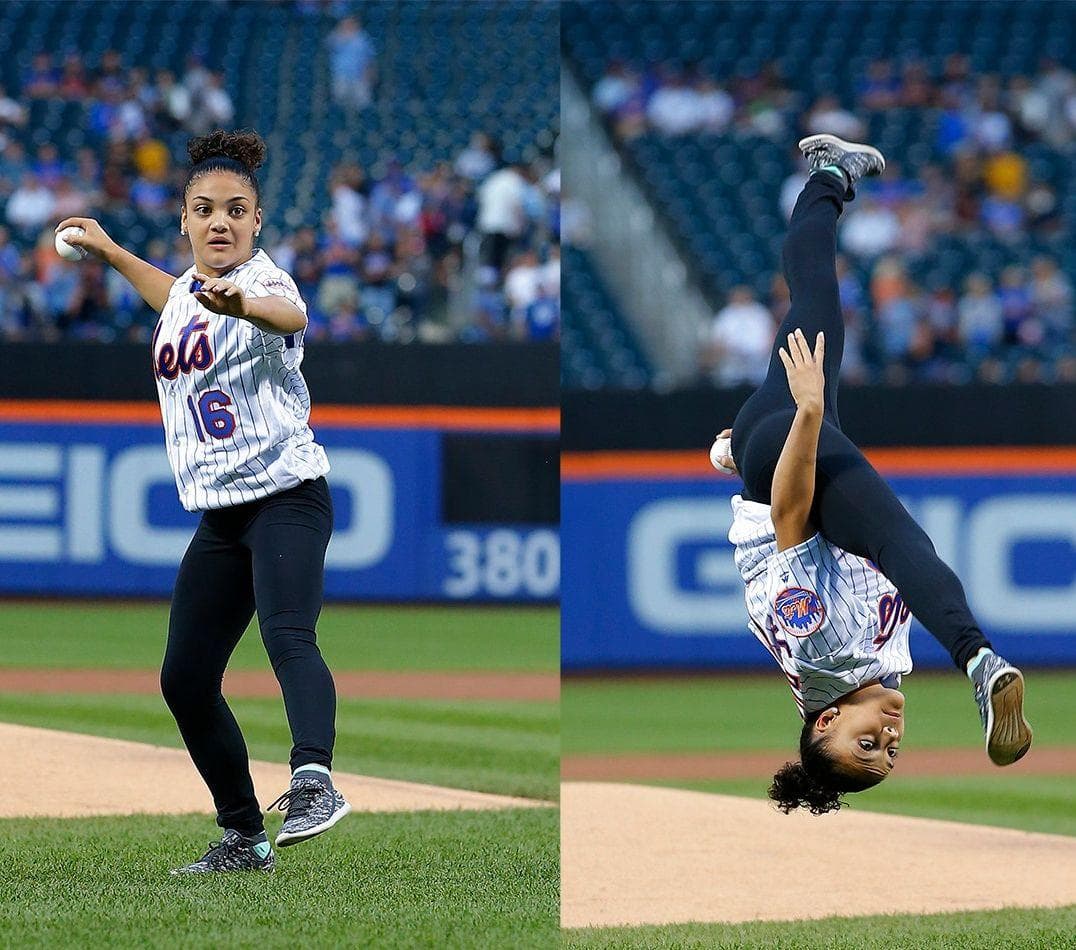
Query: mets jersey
(831,620)
(233,401)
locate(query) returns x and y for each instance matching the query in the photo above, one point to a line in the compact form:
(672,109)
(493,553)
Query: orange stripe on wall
(624,466)
(478,419)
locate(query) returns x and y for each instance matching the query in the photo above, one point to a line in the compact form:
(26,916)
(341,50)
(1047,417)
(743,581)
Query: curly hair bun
(793,788)
(244,146)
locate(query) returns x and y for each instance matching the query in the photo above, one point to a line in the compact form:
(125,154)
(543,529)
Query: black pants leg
(287,541)
(212,604)
(270,552)
(853,508)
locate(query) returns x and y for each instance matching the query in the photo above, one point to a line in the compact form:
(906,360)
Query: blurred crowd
(387,260)
(922,298)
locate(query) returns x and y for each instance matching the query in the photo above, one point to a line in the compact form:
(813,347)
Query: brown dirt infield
(714,766)
(632,855)
(367,684)
(67,775)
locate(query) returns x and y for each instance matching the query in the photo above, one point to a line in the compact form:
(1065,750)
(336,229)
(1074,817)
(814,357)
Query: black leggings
(268,554)
(853,506)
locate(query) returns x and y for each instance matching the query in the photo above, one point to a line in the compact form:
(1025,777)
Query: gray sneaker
(311,809)
(232,853)
(999,691)
(857,161)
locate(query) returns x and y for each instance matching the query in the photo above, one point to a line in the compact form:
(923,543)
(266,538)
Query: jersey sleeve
(807,595)
(277,283)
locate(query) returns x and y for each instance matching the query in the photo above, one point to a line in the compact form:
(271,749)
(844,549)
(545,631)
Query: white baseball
(69,252)
(719,450)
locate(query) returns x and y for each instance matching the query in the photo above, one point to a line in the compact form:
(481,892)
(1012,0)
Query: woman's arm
(792,492)
(151,283)
(274,314)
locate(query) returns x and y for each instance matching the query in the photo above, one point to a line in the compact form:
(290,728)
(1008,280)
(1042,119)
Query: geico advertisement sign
(85,506)
(681,578)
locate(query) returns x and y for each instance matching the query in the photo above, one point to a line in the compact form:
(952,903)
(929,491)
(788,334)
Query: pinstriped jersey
(233,401)
(831,620)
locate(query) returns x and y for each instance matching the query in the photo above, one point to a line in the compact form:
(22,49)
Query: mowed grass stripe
(1035,929)
(1005,799)
(425,879)
(730,713)
(507,748)
(131,635)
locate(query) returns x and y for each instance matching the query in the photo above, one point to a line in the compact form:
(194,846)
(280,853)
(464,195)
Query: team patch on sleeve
(799,611)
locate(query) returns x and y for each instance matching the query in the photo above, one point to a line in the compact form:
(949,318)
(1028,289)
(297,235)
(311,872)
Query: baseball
(68,251)
(719,449)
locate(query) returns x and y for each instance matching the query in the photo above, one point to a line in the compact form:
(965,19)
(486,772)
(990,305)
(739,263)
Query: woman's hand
(804,369)
(221,296)
(95,241)
(721,453)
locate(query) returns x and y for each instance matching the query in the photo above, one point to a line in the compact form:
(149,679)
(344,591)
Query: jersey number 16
(211,415)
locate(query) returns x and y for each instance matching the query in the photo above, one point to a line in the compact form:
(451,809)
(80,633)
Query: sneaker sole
(284,840)
(183,872)
(814,141)
(1008,733)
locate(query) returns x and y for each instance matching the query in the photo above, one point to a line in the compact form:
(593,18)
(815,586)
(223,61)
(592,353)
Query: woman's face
(222,220)
(864,730)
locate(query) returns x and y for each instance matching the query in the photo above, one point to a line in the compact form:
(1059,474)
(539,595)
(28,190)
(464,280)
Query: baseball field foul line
(68,775)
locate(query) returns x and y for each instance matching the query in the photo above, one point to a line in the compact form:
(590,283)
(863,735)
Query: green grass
(731,713)
(427,879)
(1053,929)
(507,748)
(1009,800)
(131,635)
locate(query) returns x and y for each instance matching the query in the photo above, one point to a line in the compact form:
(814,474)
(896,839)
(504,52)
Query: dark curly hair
(242,152)
(817,781)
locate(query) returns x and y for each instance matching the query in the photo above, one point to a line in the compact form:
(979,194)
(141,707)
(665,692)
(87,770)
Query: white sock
(977,659)
(313,767)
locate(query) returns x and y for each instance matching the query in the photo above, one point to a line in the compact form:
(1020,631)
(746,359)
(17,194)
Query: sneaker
(999,691)
(232,853)
(857,161)
(312,807)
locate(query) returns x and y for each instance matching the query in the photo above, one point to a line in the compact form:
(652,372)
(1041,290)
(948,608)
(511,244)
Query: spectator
(615,88)
(351,60)
(478,159)
(349,205)
(674,109)
(870,230)
(74,83)
(542,316)
(741,337)
(716,107)
(30,206)
(216,105)
(501,215)
(980,317)
(41,80)
(174,101)
(879,89)
(1019,322)
(1052,299)
(12,113)
(828,115)
(522,284)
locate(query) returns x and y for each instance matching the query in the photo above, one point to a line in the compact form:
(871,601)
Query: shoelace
(296,796)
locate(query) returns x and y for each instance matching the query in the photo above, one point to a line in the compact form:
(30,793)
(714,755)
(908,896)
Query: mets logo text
(799,611)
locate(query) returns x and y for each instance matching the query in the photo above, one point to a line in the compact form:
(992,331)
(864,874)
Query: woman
(833,564)
(226,355)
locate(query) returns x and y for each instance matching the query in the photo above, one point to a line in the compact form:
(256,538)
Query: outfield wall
(88,504)
(649,578)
